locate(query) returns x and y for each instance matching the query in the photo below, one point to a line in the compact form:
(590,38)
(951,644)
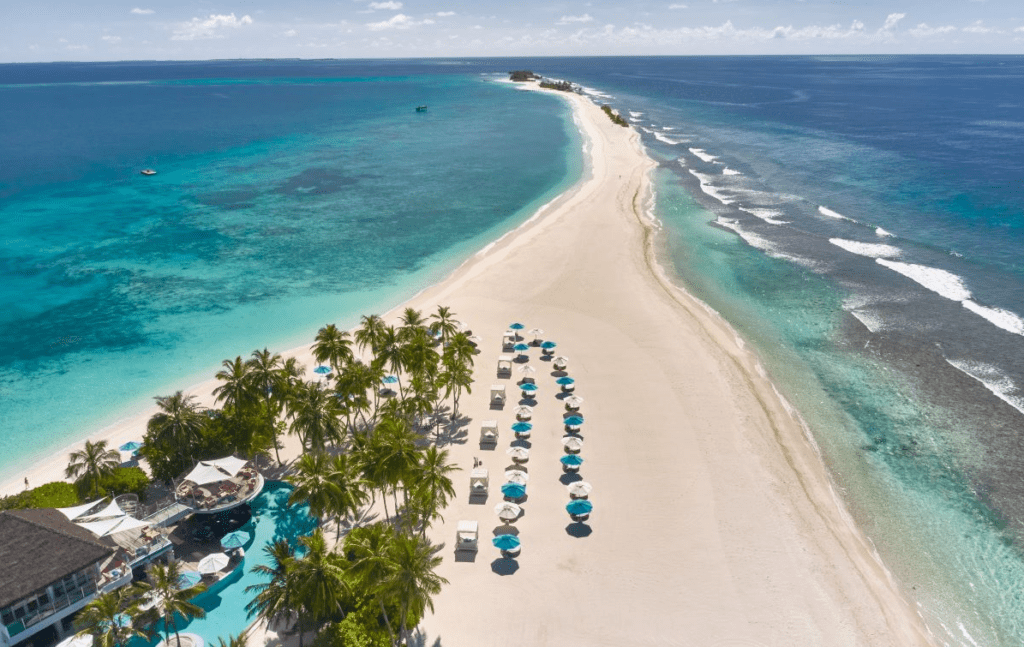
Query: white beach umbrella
(523,412)
(536,332)
(517,476)
(579,488)
(526,369)
(572,444)
(508,511)
(213,563)
(518,454)
(560,362)
(573,401)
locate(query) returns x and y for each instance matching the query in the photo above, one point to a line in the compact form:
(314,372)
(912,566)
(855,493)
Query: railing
(46,610)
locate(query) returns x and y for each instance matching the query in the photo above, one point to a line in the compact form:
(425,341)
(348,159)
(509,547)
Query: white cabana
(78,510)
(504,365)
(467,534)
(230,464)
(478,481)
(213,471)
(498,394)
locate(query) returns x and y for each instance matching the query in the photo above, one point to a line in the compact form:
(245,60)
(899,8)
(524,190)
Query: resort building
(51,568)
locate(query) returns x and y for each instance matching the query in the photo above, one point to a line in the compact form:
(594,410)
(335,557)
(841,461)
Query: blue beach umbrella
(565,381)
(528,388)
(130,446)
(322,370)
(521,427)
(572,460)
(513,490)
(574,421)
(234,539)
(123,620)
(188,579)
(506,542)
(521,347)
(516,326)
(579,506)
(390,379)
(548,345)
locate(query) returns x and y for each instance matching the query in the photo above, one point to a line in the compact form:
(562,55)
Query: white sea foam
(729,171)
(634,114)
(647,130)
(871,250)
(825,211)
(881,233)
(667,140)
(994,380)
(595,93)
(710,189)
(765,245)
(871,320)
(682,162)
(701,153)
(768,215)
(941,282)
(968,636)
(1004,319)
(668,127)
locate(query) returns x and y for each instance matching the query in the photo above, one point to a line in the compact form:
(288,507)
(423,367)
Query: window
(7,617)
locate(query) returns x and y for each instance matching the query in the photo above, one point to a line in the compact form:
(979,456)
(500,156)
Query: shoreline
(852,589)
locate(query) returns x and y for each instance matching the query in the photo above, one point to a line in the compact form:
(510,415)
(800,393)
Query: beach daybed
(508,341)
(488,432)
(478,482)
(504,365)
(498,394)
(466,536)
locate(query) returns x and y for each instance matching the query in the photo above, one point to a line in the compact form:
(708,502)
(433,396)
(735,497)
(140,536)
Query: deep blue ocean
(858,220)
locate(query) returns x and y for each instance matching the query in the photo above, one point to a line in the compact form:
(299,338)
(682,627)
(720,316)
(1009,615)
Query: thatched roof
(39,546)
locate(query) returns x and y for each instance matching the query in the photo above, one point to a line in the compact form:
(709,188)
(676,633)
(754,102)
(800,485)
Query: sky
(111,30)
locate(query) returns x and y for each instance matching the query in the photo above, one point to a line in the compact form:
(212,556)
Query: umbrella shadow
(505,529)
(520,500)
(570,477)
(521,442)
(545,358)
(578,530)
(478,498)
(530,402)
(505,566)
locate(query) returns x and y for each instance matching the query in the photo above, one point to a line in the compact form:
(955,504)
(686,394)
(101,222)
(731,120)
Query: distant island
(550,84)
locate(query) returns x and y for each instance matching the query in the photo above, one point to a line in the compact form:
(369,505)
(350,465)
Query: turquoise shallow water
(287,196)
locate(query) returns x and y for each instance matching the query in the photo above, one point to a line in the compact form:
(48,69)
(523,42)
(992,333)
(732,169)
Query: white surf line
(703,155)
(825,211)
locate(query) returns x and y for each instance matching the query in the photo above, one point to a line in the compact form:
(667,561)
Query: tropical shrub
(57,494)
(123,480)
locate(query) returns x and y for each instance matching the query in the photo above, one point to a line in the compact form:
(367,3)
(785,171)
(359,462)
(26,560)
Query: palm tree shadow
(420,639)
(454,433)
(505,566)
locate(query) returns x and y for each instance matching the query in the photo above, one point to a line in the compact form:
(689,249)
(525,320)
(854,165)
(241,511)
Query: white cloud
(389,4)
(290,33)
(398,21)
(1021,29)
(924,31)
(200,28)
(978,28)
(677,6)
(892,20)
(571,19)
(111,39)
(445,14)
(142,12)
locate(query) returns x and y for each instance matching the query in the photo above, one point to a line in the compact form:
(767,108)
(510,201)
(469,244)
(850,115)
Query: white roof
(230,464)
(110,526)
(204,473)
(498,387)
(488,424)
(504,358)
(78,510)
(478,472)
(112,510)
(468,526)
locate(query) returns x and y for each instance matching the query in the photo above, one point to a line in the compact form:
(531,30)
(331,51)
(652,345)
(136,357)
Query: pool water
(225,601)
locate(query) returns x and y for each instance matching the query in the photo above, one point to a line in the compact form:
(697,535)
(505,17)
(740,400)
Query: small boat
(421,108)
(148,171)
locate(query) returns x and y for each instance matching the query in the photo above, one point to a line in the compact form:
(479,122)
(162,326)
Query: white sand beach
(714,523)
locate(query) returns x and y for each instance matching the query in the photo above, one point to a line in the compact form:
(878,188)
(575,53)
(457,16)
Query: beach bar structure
(467,536)
(219,485)
(489,433)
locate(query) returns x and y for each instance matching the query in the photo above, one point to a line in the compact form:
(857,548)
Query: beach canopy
(523,411)
(234,539)
(521,427)
(322,370)
(78,510)
(572,460)
(506,542)
(579,488)
(572,443)
(213,563)
(188,579)
(130,446)
(508,511)
(560,360)
(518,453)
(113,525)
(579,506)
(517,476)
(548,345)
(516,326)
(218,470)
(565,380)
(110,510)
(514,490)
(475,339)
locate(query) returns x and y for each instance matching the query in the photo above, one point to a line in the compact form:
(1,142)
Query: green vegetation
(57,494)
(122,480)
(561,86)
(614,116)
(91,464)
(103,617)
(522,75)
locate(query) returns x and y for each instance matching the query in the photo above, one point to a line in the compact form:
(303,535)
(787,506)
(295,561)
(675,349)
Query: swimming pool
(225,601)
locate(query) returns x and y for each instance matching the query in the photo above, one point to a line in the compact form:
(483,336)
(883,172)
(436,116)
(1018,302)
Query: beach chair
(498,394)
(466,536)
(478,482)
(504,366)
(489,433)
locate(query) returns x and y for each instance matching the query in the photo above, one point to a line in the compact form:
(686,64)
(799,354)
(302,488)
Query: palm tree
(320,580)
(369,548)
(432,485)
(454,377)
(103,618)
(179,423)
(170,600)
(238,640)
(411,581)
(391,352)
(314,484)
(444,324)
(333,347)
(315,414)
(345,474)
(398,456)
(369,333)
(351,388)
(275,601)
(462,349)
(412,321)
(236,391)
(419,356)
(92,463)
(268,384)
